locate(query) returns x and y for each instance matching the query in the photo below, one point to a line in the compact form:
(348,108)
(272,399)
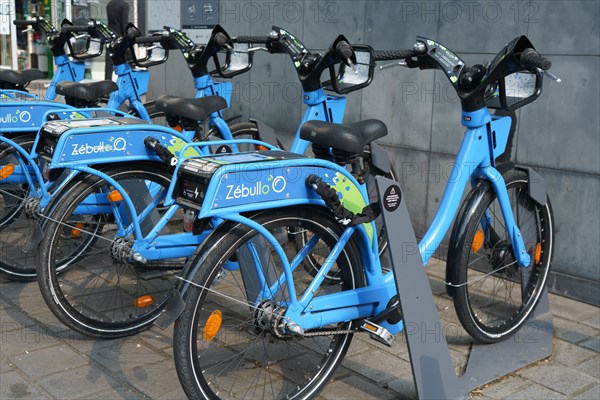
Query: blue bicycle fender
(105,140)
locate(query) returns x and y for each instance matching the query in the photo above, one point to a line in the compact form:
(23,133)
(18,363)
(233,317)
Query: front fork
(520,252)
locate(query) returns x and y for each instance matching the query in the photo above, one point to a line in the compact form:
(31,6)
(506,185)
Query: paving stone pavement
(41,359)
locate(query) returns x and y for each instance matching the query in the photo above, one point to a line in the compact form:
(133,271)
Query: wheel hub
(32,207)
(502,256)
(268,317)
(120,250)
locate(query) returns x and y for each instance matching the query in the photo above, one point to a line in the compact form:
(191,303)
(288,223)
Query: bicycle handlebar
(532,59)
(79,28)
(24,22)
(252,39)
(148,39)
(390,55)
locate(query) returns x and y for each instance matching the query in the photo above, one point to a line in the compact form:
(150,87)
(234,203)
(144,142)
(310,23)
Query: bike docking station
(433,371)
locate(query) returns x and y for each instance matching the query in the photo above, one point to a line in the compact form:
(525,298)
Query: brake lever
(551,76)
(394,64)
(28,30)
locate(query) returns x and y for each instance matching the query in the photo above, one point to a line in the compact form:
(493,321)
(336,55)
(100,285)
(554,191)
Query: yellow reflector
(115,196)
(76,232)
(143,301)
(6,171)
(538,253)
(211,328)
(477,241)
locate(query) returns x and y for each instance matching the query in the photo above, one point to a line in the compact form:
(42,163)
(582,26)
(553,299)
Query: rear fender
(104,141)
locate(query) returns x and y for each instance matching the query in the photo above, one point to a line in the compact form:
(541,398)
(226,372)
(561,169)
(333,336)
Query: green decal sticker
(175,146)
(351,198)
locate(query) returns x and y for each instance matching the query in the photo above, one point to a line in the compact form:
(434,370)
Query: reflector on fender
(477,241)
(213,324)
(6,171)
(143,301)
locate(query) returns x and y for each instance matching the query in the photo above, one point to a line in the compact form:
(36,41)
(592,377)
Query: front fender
(467,208)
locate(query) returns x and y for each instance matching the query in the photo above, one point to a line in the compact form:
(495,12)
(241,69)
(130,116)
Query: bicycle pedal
(378,333)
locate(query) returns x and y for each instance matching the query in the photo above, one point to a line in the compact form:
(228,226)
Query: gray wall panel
(565,27)
(393,24)
(403,100)
(480,26)
(560,130)
(325,20)
(575,200)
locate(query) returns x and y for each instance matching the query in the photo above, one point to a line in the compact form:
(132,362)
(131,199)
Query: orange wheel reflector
(6,171)
(211,328)
(76,232)
(178,128)
(477,241)
(262,148)
(538,253)
(143,301)
(115,196)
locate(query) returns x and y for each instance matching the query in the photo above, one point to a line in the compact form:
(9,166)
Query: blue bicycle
(256,324)
(140,233)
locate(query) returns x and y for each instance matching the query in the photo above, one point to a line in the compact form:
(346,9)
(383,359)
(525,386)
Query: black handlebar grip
(148,39)
(220,39)
(69,28)
(344,50)
(252,39)
(390,55)
(24,22)
(532,59)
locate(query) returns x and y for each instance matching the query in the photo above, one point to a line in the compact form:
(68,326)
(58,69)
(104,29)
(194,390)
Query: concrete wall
(558,134)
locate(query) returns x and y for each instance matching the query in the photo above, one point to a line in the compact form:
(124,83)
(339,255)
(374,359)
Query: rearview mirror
(514,90)
(345,79)
(232,63)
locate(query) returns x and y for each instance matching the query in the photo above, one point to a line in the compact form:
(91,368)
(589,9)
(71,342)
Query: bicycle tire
(483,263)
(15,226)
(97,295)
(284,365)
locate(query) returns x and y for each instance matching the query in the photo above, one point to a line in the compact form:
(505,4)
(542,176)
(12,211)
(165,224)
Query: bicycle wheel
(16,227)
(101,293)
(228,342)
(495,296)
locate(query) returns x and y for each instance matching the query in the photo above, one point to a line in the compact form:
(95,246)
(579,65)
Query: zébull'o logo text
(18,116)
(118,145)
(242,191)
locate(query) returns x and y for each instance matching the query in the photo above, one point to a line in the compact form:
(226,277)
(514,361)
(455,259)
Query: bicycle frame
(484,140)
(67,71)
